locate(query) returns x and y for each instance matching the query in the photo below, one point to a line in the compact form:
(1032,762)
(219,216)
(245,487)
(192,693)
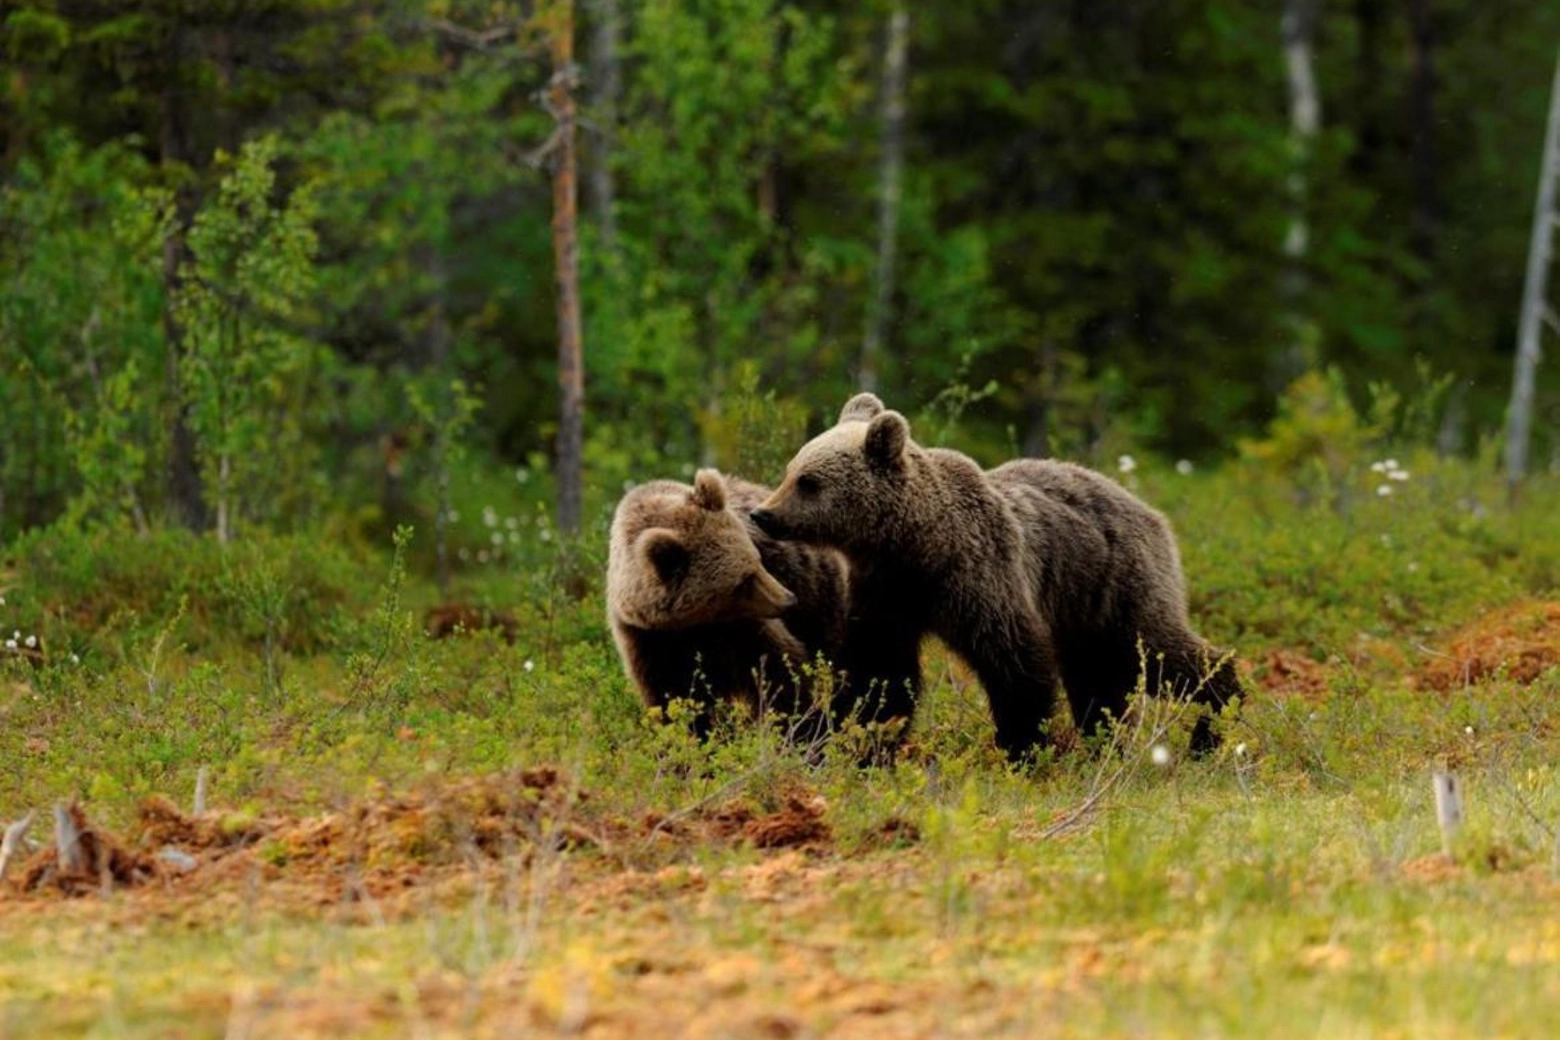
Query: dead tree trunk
(1519,417)
(889,192)
(571,377)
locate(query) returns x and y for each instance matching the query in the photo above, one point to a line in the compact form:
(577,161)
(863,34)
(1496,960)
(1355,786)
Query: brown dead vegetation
(396,841)
(1520,643)
(449,619)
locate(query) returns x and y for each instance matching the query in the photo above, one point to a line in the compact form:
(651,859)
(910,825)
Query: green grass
(1290,886)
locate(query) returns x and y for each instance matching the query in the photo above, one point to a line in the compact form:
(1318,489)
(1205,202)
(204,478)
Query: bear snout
(769,523)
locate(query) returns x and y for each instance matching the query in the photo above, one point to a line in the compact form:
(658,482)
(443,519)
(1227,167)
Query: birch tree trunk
(1519,416)
(1305,119)
(889,193)
(571,380)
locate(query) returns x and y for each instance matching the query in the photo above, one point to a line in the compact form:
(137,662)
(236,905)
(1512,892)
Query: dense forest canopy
(257,255)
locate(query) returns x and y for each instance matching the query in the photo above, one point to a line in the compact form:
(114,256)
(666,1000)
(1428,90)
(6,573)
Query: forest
(332,332)
(325,226)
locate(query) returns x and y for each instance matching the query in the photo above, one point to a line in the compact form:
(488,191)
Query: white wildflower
(529,665)
(1184,467)
(1384,490)
(497,538)
(489,516)
(1468,730)
(1126,463)
(1240,750)
(511,522)
(1159,755)
(688,469)
(10,644)
(546,535)
(30,642)
(522,475)
(1378,467)
(1397,474)
(74,659)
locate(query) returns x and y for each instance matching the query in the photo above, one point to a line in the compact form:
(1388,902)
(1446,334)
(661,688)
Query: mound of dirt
(799,822)
(1520,642)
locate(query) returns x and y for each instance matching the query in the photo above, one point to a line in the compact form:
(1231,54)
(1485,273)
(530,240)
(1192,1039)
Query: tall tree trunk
(571,376)
(1305,118)
(1422,120)
(895,51)
(1519,416)
(606,69)
(186,496)
(1366,103)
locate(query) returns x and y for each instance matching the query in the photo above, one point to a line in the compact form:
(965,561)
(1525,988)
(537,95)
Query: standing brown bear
(1028,570)
(705,606)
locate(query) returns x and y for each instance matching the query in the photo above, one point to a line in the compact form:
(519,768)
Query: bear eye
(807,484)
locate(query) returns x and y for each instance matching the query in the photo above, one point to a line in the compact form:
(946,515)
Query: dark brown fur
(1033,571)
(705,606)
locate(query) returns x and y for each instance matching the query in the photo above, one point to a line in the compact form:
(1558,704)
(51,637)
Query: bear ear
(886,437)
(666,553)
(861,408)
(709,490)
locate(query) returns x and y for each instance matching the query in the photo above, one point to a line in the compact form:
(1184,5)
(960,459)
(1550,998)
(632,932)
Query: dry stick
(201,777)
(13,840)
(67,841)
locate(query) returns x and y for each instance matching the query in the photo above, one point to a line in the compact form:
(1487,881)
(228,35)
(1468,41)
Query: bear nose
(767,522)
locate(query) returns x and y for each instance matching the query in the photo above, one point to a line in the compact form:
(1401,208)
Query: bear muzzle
(769,523)
(771,599)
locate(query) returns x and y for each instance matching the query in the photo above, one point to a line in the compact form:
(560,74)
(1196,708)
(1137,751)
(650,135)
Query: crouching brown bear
(1033,571)
(705,606)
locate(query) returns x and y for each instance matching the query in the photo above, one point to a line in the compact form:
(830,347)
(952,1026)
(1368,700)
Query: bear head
(680,558)
(847,487)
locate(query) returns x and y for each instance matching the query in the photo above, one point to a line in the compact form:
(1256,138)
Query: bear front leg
(1016,664)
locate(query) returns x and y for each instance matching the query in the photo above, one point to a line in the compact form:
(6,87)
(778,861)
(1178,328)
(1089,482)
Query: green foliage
(81,401)
(247,376)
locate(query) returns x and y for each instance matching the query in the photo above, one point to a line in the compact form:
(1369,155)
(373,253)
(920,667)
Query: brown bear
(705,606)
(1031,571)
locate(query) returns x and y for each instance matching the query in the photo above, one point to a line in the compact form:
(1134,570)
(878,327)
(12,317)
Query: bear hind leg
(1098,678)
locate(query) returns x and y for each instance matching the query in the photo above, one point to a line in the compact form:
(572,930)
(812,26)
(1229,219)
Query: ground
(482,835)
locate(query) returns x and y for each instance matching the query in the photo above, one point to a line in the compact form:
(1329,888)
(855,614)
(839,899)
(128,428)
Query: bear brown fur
(1033,571)
(705,606)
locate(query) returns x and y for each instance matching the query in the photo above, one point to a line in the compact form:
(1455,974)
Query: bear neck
(949,510)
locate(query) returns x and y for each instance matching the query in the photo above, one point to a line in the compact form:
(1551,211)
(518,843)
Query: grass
(400,880)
